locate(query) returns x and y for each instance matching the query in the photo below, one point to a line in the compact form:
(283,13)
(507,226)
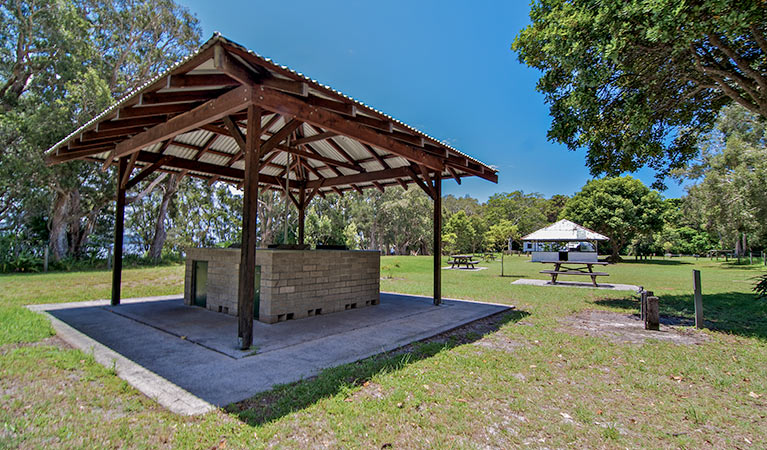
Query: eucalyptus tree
(61,62)
(731,175)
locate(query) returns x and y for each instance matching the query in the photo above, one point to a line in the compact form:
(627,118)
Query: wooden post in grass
(653,314)
(45,259)
(698,298)
(643,304)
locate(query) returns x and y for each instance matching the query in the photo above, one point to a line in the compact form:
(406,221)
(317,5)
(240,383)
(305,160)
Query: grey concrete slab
(578,284)
(195,355)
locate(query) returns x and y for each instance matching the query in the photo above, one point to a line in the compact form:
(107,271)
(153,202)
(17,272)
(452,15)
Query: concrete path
(185,357)
(578,284)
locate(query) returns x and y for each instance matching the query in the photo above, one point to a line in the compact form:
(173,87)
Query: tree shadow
(287,398)
(656,262)
(736,313)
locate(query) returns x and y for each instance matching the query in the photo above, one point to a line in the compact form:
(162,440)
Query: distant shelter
(563,241)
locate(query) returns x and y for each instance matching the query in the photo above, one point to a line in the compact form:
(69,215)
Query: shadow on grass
(287,398)
(729,312)
(655,262)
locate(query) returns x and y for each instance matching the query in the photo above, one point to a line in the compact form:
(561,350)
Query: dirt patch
(54,341)
(499,342)
(628,328)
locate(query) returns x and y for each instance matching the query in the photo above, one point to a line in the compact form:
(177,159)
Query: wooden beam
(437,186)
(320,136)
(186,81)
(120,124)
(148,111)
(206,147)
(148,170)
(131,164)
(53,159)
(228,64)
(330,121)
(332,168)
(184,96)
(454,174)
(210,111)
(402,183)
(348,109)
(280,136)
(366,177)
(117,264)
(314,192)
(114,133)
(235,132)
(387,126)
(414,176)
(376,156)
(247,281)
(320,158)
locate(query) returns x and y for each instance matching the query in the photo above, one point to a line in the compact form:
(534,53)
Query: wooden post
(247,283)
(45,258)
(438,239)
(117,267)
(301,215)
(653,314)
(698,298)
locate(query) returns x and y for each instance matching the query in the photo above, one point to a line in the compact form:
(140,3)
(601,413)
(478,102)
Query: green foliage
(620,208)
(61,63)
(760,287)
(636,82)
(497,237)
(462,232)
(526,211)
(729,195)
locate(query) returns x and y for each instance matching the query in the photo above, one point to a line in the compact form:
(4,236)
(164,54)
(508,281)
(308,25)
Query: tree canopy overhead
(637,82)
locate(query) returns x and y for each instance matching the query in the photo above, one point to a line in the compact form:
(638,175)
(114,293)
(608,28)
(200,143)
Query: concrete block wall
(294,284)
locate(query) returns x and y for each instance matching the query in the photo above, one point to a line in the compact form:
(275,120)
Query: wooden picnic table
(575,268)
(462,260)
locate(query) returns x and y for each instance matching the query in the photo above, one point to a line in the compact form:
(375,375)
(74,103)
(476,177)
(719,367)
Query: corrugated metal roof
(564,230)
(342,149)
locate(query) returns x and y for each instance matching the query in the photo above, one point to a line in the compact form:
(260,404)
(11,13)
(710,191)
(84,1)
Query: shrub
(761,286)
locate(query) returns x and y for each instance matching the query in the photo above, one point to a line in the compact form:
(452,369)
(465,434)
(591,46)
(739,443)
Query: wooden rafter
(285,104)
(209,111)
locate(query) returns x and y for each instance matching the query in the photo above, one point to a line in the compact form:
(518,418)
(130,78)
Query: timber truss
(313,140)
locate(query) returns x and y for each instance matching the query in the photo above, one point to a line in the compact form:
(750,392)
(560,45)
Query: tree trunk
(615,256)
(59,222)
(160,234)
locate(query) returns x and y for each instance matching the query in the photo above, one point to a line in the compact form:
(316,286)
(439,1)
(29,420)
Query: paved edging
(150,384)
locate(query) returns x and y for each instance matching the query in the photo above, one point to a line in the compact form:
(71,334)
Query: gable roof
(564,230)
(353,147)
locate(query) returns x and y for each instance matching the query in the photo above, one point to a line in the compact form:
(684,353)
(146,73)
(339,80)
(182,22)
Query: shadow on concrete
(287,398)
(728,312)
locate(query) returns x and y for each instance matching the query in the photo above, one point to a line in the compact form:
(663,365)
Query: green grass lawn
(525,380)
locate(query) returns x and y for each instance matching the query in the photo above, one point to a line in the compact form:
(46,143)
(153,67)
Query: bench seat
(575,272)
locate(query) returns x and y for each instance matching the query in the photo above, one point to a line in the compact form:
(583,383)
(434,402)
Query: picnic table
(462,260)
(575,268)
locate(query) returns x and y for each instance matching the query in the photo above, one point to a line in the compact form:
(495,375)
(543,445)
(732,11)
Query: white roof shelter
(564,231)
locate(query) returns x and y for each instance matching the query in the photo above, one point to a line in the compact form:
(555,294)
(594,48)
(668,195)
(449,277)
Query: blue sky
(445,68)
